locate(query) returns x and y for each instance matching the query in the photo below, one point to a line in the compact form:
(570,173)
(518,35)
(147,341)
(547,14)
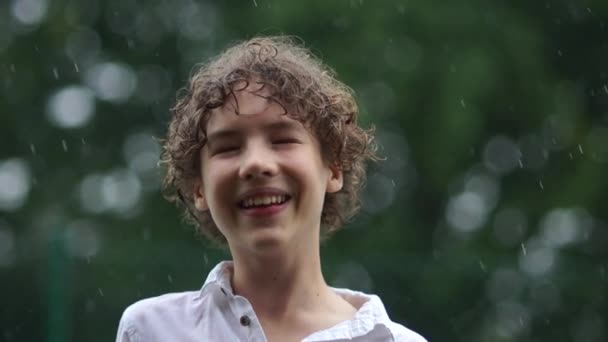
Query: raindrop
(557,132)
(523,249)
(33,149)
(56,73)
(539,261)
(255,3)
(170,278)
(100,291)
(90,305)
(64,145)
(462,103)
(7,248)
(82,46)
(146,234)
(512,319)
(502,155)
(505,284)
(510,226)
(141,151)
(533,156)
(540,183)
(580,148)
(597,143)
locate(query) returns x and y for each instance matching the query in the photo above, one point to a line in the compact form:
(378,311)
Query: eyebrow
(274,126)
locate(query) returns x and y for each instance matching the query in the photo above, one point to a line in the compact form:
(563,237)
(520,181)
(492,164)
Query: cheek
(216,181)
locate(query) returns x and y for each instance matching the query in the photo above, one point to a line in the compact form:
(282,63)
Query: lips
(262,196)
(263,202)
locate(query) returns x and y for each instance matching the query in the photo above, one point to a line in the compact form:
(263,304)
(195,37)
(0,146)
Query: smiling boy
(265,154)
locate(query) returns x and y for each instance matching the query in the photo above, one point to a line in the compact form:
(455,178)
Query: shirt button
(245,321)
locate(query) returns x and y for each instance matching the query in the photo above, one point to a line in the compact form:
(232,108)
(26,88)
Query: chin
(268,241)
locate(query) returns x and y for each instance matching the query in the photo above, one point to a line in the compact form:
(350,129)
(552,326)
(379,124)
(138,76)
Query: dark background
(487,221)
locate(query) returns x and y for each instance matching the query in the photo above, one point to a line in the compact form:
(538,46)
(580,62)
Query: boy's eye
(285,141)
(224,149)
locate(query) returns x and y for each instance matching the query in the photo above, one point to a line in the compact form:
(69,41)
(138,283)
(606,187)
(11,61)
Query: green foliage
(487,221)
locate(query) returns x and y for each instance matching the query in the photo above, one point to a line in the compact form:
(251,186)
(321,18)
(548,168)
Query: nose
(257,161)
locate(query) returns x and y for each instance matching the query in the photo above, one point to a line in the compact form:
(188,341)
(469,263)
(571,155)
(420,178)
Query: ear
(335,180)
(199,197)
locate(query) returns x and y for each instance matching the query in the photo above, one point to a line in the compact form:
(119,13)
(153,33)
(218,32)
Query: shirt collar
(370,314)
(370,310)
(218,279)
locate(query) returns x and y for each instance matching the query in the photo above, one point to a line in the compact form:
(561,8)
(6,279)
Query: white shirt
(215,314)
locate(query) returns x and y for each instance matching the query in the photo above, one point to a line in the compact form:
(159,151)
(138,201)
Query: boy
(265,154)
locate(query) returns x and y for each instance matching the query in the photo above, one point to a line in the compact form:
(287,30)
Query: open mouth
(264,201)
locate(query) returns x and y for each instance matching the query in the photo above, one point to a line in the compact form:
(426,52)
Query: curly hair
(304,87)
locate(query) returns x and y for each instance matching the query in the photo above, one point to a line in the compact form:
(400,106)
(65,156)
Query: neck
(281,283)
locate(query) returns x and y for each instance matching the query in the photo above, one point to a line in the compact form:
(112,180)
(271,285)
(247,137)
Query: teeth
(263,200)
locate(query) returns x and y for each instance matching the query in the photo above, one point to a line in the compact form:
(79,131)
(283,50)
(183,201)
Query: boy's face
(263,177)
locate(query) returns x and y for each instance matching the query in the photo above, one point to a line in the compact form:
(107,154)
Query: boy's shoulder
(160,307)
(403,334)
(157,318)
(178,302)
(371,313)
(163,302)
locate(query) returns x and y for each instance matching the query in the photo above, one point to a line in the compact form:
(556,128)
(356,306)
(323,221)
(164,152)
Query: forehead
(249,108)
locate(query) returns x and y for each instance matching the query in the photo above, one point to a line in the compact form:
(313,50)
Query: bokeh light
(114,82)
(71,107)
(15,183)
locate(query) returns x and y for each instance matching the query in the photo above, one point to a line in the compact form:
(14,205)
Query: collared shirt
(215,313)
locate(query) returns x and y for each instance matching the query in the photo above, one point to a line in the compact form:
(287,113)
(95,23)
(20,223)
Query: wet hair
(303,86)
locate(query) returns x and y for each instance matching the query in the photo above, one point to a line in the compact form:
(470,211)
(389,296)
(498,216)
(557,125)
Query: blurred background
(487,221)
